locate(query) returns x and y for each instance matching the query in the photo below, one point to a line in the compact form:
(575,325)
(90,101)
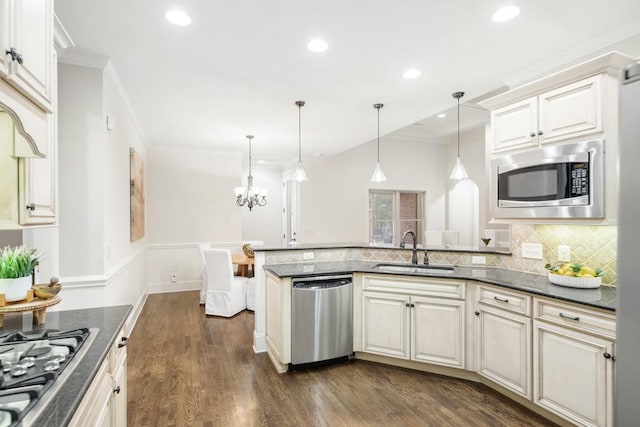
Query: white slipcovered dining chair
(251,294)
(225,294)
(203,262)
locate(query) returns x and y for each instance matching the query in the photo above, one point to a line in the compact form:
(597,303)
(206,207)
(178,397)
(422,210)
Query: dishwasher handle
(322,284)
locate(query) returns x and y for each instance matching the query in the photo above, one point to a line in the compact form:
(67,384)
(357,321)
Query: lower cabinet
(414,327)
(105,403)
(278,320)
(574,364)
(504,338)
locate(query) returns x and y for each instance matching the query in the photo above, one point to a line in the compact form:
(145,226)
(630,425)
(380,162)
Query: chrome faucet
(414,256)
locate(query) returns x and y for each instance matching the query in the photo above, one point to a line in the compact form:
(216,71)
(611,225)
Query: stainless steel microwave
(562,181)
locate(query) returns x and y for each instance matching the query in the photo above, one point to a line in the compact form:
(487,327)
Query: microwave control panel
(579,179)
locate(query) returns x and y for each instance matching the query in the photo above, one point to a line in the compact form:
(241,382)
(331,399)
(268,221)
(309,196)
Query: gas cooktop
(34,365)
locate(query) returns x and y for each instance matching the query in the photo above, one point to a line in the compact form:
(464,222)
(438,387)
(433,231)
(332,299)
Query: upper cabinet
(26,41)
(562,113)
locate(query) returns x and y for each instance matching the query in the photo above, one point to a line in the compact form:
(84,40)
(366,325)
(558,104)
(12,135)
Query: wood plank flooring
(187,369)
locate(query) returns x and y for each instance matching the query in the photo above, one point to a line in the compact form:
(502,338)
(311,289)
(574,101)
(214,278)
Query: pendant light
(458,172)
(250,196)
(299,174)
(378,174)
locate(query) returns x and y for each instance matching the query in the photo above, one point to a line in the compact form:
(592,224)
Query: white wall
(98,264)
(264,223)
(190,196)
(334,203)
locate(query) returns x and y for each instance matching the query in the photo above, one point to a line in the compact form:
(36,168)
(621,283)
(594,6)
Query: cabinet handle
(540,133)
(477,313)
(122,344)
(117,390)
(124,339)
(532,134)
(412,305)
(567,316)
(501,299)
(31,207)
(15,56)
(407,304)
(607,355)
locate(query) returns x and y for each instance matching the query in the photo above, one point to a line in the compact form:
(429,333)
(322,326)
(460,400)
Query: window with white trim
(392,213)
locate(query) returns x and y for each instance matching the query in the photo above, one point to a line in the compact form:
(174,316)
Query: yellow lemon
(569,273)
(587,271)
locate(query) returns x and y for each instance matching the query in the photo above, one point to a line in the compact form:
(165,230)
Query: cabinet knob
(540,132)
(407,304)
(117,390)
(31,207)
(477,313)
(15,56)
(122,344)
(607,355)
(412,305)
(532,134)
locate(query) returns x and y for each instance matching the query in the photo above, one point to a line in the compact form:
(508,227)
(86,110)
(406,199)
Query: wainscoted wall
(595,246)
(183,259)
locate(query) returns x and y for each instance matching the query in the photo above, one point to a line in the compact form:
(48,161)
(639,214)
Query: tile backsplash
(595,246)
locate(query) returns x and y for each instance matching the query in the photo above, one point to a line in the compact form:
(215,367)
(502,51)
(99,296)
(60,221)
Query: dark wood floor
(187,369)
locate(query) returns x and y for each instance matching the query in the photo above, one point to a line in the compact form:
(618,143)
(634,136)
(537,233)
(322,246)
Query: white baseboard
(259,343)
(135,312)
(165,287)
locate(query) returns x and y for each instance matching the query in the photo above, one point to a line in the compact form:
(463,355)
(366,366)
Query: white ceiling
(241,65)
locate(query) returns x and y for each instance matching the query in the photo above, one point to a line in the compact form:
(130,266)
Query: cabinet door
(572,110)
(515,126)
(385,324)
(37,204)
(95,407)
(31,35)
(278,320)
(572,375)
(4,37)
(437,331)
(504,349)
(119,397)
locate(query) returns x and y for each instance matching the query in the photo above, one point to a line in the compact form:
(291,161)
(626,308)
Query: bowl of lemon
(575,275)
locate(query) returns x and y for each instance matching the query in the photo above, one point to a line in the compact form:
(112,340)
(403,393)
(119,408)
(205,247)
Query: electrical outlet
(532,250)
(307,255)
(478,260)
(564,253)
(174,277)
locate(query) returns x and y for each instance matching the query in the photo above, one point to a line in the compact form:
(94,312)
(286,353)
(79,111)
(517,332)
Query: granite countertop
(604,297)
(109,320)
(360,245)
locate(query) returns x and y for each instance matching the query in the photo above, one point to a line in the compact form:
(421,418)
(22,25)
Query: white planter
(15,289)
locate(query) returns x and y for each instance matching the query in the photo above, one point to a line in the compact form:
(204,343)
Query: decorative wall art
(136,192)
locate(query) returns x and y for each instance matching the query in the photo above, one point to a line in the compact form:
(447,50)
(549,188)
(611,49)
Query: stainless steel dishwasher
(321,319)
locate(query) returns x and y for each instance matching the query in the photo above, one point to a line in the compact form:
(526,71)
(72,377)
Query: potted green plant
(16,266)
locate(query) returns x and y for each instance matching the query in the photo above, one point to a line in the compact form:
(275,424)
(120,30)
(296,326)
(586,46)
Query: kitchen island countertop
(109,320)
(604,297)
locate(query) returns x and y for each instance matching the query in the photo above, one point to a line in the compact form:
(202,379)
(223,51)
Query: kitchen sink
(415,268)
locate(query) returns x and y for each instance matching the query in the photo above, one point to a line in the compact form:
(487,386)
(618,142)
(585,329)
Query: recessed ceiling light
(317,45)
(411,74)
(506,13)
(178,17)
(441,116)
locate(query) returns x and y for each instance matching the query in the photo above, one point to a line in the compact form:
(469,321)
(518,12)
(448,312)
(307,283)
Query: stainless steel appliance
(321,319)
(628,315)
(34,366)
(562,181)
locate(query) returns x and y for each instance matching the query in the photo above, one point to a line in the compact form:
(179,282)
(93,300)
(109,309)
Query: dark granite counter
(604,297)
(109,320)
(319,246)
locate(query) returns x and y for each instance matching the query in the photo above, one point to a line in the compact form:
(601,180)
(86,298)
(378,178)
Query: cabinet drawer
(576,317)
(507,300)
(420,286)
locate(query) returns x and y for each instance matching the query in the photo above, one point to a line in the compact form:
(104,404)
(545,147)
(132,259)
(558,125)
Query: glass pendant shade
(378,174)
(299,174)
(458,172)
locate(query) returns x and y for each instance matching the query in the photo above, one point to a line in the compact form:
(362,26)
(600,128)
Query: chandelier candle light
(458,172)
(299,174)
(250,196)
(378,174)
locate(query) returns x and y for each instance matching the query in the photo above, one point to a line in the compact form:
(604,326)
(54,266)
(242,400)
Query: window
(391,213)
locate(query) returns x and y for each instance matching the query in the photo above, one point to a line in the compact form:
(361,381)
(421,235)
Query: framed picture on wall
(136,193)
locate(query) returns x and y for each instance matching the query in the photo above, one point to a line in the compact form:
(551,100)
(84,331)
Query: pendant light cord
(378,135)
(250,138)
(458,127)
(299,133)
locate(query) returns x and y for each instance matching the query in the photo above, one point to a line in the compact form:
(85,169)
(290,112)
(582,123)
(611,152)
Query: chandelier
(250,196)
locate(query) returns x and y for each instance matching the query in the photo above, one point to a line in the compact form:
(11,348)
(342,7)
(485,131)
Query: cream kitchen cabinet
(419,319)
(504,338)
(278,320)
(573,110)
(573,362)
(26,41)
(105,403)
